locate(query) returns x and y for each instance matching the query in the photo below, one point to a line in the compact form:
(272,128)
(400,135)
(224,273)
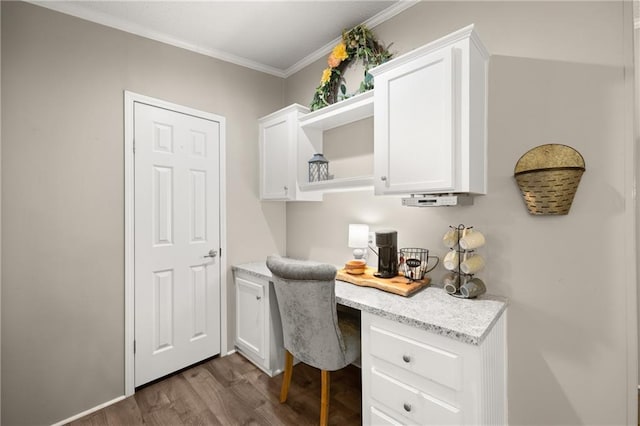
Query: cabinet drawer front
(380,418)
(436,364)
(410,402)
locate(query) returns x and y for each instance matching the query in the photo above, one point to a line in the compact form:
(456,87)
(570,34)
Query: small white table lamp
(358,239)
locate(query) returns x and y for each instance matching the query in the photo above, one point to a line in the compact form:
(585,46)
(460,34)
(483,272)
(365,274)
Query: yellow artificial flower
(340,51)
(326,75)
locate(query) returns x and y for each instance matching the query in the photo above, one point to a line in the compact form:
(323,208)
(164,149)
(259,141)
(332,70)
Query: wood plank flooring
(232,391)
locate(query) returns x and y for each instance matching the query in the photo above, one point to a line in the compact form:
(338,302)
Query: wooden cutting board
(397,285)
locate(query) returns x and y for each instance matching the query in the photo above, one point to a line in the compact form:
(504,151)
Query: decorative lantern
(318,168)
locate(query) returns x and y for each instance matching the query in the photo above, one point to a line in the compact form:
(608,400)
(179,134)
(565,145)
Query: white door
(177,241)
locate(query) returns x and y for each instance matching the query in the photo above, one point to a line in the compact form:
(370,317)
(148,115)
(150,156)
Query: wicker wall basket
(548,177)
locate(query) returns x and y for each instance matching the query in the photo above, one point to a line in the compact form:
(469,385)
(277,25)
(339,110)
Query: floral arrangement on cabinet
(359,43)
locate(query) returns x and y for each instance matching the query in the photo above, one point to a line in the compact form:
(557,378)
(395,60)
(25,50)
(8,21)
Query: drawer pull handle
(407,407)
(406,358)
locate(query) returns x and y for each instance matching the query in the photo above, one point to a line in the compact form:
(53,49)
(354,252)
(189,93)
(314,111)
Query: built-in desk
(429,358)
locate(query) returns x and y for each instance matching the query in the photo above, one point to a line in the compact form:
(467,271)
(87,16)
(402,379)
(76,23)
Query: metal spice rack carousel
(463,263)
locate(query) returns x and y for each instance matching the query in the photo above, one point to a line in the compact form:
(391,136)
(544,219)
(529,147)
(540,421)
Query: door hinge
(134,346)
(134,146)
(221,252)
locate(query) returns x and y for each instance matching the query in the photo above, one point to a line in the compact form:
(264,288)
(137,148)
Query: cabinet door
(275,139)
(414,126)
(250,327)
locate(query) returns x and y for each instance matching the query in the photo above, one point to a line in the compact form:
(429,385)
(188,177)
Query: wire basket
(414,263)
(548,178)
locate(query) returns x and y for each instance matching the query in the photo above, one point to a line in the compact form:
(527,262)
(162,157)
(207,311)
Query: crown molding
(375,20)
(73,9)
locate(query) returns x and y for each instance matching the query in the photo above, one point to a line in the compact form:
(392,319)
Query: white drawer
(441,366)
(417,407)
(379,418)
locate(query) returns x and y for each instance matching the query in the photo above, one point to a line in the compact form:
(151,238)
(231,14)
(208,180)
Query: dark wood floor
(232,391)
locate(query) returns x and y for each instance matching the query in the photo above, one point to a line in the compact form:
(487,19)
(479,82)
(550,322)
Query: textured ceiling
(278,37)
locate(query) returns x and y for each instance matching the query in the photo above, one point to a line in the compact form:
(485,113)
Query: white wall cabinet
(429,109)
(258,325)
(284,152)
(411,376)
(430,118)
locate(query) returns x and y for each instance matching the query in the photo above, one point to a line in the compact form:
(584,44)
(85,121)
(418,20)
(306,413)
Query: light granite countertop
(431,309)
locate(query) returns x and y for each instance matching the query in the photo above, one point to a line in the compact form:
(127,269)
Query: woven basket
(548,177)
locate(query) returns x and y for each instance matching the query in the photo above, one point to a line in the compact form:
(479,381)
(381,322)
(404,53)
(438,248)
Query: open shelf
(339,185)
(340,113)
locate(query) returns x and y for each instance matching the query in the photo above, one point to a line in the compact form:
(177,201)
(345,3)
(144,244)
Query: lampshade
(358,235)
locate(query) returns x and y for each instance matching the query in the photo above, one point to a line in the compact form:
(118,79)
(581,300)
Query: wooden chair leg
(324,399)
(286,377)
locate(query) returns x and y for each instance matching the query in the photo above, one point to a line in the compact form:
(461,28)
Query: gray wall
(63,196)
(556,75)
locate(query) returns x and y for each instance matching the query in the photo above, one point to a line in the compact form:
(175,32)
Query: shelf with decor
(334,116)
(339,185)
(339,114)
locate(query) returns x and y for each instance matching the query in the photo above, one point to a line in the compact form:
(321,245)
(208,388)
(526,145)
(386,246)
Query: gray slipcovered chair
(313,330)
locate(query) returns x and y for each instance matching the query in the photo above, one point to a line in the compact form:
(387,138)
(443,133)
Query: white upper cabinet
(283,147)
(430,118)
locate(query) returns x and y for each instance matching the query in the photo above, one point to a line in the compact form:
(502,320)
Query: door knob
(212,253)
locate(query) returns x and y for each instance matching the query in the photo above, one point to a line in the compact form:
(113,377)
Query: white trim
(377,19)
(90,411)
(74,9)
(129,260)
(129,215)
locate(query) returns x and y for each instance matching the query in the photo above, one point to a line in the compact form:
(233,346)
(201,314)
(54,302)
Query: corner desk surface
(430,309)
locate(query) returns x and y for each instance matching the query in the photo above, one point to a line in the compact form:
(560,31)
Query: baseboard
(89,411)
(105,404)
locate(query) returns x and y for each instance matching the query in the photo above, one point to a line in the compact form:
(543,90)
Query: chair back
(305,292)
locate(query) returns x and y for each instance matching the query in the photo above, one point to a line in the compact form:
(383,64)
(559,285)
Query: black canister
(387,242)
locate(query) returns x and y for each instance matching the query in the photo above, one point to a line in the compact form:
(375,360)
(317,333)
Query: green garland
(358,43)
